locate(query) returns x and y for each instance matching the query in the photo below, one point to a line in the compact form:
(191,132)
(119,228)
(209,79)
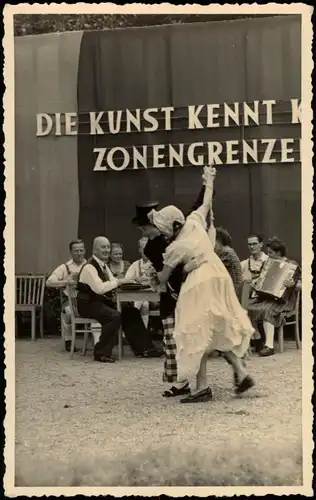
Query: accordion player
(273,276)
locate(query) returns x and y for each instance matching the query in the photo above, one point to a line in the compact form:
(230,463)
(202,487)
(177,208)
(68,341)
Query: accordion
(273,276)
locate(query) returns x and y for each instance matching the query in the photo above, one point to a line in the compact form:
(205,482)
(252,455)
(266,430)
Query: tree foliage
(34,24)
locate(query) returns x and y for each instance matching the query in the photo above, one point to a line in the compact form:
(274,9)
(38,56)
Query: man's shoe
(266,351)
(103,359)
(68,346)
(199,397)
(245,385)
(152,353)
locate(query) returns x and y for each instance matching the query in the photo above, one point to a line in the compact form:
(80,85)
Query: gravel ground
(66,408)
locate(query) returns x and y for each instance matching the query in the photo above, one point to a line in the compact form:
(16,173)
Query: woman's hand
(160,277)
(194,263)
(209,174)
(290,283)
(164,275)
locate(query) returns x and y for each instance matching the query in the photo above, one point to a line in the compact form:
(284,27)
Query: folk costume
(208,314)
(154,251)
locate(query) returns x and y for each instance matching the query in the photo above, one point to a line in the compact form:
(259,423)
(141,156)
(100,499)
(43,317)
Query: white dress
(208,315)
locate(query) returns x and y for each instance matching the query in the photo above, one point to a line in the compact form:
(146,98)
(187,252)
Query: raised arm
(207,204)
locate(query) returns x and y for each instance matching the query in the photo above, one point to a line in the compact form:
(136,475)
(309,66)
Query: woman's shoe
(245,385)
(199,397)
(174,391)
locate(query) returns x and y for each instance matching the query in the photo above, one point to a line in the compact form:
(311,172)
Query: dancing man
(154,250)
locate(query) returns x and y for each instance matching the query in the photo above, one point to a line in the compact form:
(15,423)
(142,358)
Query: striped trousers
(170,365)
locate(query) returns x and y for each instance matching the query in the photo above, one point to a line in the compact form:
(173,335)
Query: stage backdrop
(59,196)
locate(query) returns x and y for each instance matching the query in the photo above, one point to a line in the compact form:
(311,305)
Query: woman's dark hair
(117,245)
(75,242)
(277,245)
(176,226)
(223,236)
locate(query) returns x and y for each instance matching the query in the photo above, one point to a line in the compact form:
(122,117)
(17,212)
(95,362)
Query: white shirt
(89,276)
(253,264)
(61,273)
(139,269)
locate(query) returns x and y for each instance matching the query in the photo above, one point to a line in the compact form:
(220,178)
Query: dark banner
(178,66)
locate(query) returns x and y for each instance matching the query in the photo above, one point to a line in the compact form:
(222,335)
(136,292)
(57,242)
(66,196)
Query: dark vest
(154,251)
(85,293)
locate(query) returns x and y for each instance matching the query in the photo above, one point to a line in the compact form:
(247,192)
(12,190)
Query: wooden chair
(77,320)
(61,293)
(290,321)
(29,296)
(245,293)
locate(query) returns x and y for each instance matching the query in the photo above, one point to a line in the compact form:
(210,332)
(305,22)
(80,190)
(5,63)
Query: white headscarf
(164,219)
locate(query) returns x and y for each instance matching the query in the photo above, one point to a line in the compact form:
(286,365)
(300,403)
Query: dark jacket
(154,251)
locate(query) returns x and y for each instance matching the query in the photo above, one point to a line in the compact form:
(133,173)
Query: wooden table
(132,296)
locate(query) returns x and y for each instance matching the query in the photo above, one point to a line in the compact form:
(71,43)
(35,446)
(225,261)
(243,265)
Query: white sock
(66,331)
(145,319)
(96,332)
(269,331)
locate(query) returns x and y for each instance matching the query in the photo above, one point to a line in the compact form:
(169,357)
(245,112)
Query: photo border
(307,253)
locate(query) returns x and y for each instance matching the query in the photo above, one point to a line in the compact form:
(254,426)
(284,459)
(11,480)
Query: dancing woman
(208,315)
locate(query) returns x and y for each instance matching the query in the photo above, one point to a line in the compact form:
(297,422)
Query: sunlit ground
(71,414)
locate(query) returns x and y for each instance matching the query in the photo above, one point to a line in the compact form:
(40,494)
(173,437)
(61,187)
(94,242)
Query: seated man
(252,266)
(96,299)
(251,269)
(141,271)
(68,272)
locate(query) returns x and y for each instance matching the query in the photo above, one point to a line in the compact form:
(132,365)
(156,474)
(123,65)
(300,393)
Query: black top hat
(142,212)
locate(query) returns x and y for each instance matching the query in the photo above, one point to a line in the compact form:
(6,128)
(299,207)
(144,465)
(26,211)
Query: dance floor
(68,410)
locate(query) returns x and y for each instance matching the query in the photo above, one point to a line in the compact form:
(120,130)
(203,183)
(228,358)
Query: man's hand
(124,281)
(290,283)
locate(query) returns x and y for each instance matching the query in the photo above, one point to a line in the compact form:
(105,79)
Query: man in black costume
(154,251)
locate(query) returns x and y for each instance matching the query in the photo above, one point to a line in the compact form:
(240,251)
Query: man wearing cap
(154,251)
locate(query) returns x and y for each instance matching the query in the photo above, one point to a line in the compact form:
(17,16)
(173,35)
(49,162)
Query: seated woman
(203,325)
(224,250)
(134,328)
(269,311)
(141,271)
(116,263)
